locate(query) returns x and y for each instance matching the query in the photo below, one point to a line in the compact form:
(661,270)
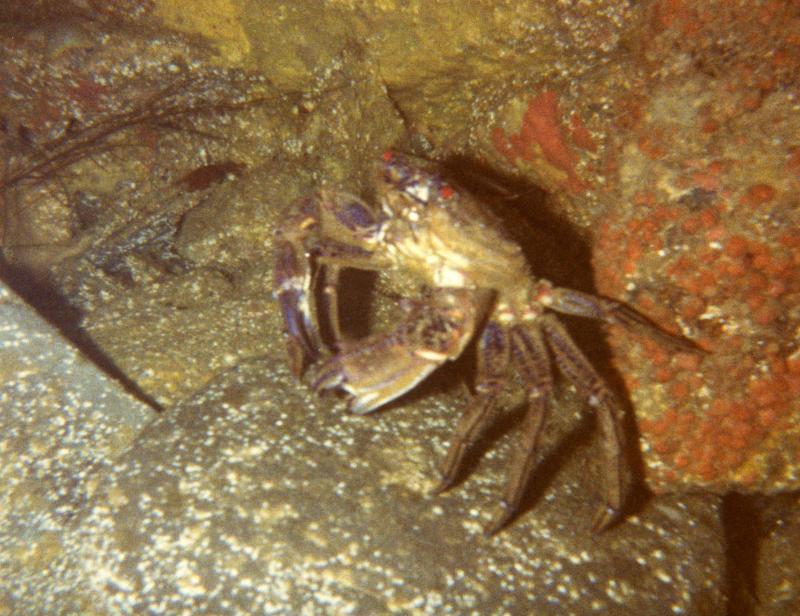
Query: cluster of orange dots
(750,388)
(712,443)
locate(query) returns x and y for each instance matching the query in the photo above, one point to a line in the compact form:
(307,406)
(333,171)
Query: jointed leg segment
(573,364)
(493,358)
(570,301)
(534,364)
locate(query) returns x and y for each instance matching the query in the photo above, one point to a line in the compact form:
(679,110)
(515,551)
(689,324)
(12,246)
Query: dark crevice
(52,306)
(741,520)
(551,243)
(355,304)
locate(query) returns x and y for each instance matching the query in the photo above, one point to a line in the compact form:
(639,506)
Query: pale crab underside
(475,283)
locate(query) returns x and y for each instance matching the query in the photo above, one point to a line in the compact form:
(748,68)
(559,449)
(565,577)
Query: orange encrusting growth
(697,228)
(541,137)
(733,288)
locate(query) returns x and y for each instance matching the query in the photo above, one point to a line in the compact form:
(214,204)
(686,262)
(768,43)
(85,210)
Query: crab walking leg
(570,301)
(533,361)
(493,358)
(574,365)
(384,366)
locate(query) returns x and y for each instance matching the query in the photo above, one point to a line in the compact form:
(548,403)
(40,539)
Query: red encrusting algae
(541,137)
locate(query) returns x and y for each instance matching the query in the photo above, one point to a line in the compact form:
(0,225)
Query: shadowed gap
(56,310)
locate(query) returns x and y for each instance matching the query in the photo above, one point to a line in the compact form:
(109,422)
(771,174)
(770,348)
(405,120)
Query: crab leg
(493,358)
(574,365)
(570,301)
(530,354)
(384,366)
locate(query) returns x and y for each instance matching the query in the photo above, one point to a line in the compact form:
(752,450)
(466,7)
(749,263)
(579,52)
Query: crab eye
(394,171)
(416,183)
(446,191)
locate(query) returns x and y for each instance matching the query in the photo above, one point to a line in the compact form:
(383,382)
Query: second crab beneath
(475,283)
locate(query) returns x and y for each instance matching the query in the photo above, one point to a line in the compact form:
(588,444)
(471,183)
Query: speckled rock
(708,243)
(172,333)
(62,423)
(257,497)
(778,585)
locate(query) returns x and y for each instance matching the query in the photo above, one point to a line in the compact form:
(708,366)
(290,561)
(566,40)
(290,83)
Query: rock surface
(143,175)
(62,424)
(256,497)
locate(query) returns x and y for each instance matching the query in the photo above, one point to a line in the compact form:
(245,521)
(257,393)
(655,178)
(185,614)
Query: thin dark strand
(69,148)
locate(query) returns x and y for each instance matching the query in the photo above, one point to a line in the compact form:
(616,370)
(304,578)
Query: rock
(256,497)
(62,424)
(776,580)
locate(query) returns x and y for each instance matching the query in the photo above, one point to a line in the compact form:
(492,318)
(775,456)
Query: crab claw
(381,368)
(375,374)
(292,290)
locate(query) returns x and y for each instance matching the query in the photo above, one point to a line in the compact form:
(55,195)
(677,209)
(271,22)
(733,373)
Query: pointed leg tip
(444,484)
(606,517)
(491,529)
(500,520)
(297,368)
(297,362)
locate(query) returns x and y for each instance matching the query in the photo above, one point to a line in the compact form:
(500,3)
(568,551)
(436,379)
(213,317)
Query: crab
(475,284)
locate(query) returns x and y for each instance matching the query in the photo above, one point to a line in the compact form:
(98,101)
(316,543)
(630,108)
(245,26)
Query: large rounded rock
(255,497)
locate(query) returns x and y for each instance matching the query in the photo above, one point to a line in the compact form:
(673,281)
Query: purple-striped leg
(573,364)
(493,358)
(533,362)
(293,283)
(304,247)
